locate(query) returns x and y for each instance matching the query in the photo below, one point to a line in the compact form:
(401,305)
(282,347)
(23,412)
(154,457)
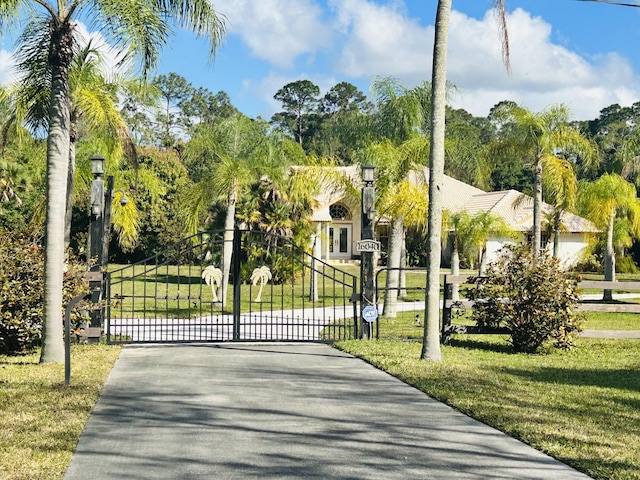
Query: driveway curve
(284,411)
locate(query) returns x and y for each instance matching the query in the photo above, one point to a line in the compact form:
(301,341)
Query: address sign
(368,246)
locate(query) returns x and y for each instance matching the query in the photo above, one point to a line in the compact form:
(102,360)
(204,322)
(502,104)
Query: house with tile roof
(338,219)
(516,209)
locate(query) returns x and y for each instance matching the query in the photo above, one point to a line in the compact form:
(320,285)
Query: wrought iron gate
(275,292)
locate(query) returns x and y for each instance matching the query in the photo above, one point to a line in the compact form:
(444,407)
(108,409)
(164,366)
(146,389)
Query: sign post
(367,246)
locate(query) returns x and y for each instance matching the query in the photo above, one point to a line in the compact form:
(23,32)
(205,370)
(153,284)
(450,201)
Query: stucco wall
(571,247)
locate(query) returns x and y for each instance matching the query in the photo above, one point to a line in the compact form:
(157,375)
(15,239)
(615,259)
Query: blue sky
(579,53)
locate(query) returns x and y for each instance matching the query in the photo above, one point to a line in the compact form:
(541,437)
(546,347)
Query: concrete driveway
(243,411)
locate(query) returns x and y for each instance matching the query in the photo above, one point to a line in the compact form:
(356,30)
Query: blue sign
(370,313)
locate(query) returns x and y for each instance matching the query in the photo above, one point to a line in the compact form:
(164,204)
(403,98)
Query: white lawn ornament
(212,276)
(263,275)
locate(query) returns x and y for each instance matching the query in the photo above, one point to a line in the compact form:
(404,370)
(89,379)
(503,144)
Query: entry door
(340,241)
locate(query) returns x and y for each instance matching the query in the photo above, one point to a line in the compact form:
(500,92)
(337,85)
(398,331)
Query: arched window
(339,212)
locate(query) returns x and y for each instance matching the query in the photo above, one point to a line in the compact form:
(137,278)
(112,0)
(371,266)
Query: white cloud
(7,70)
(278,31)
(111,57)
(382,41)
(543,73)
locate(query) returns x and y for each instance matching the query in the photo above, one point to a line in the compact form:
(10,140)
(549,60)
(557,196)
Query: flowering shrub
(22,292)
(533,297)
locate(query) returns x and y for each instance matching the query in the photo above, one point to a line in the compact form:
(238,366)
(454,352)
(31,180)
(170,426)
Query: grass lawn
(179,291)
(405,325)
(41,419)
(612,321)
(582,406)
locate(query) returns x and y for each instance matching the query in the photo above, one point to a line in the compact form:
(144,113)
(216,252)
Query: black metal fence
(270,290)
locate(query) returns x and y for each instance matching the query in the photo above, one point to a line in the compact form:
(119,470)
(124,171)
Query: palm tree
(482,226)
(628,157)
(547,139)
(607,201)
(399,110)
(393,164)
(431,341)
(431,338)
(405,202)
(93,102)
(238,152)
(469,236)
(46,49)
(459,226)
(399,123)
(560,184)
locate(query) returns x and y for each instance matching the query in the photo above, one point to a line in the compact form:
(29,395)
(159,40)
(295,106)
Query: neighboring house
(517,211)
(339,220)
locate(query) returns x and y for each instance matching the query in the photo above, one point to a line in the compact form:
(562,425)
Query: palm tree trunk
(316,252)
(482,261)
(431,337)
(227,249)
(70,182)
(609,259)
(403,265)
(537,207)
(57,171)
(393,264)
(455,268)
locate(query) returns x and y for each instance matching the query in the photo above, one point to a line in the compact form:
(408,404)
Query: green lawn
(406,326)
(41,419)
(582,406)
(179,291)
(612,321)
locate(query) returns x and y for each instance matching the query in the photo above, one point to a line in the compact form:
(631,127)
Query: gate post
(96,229)
(367,285)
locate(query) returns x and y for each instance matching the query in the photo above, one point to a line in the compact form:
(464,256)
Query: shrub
(590,263)
(625,264)
(21,292)
(534,298)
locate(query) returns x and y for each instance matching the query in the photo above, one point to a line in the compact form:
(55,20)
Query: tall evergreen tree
(299,103)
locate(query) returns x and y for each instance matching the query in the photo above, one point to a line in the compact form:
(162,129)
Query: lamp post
(99,231)
(100,228)
(96,231)
(106,227)
(96,228)
(367,274)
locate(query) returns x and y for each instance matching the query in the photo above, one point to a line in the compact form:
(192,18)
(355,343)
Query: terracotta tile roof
(514,207)
(517,210)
